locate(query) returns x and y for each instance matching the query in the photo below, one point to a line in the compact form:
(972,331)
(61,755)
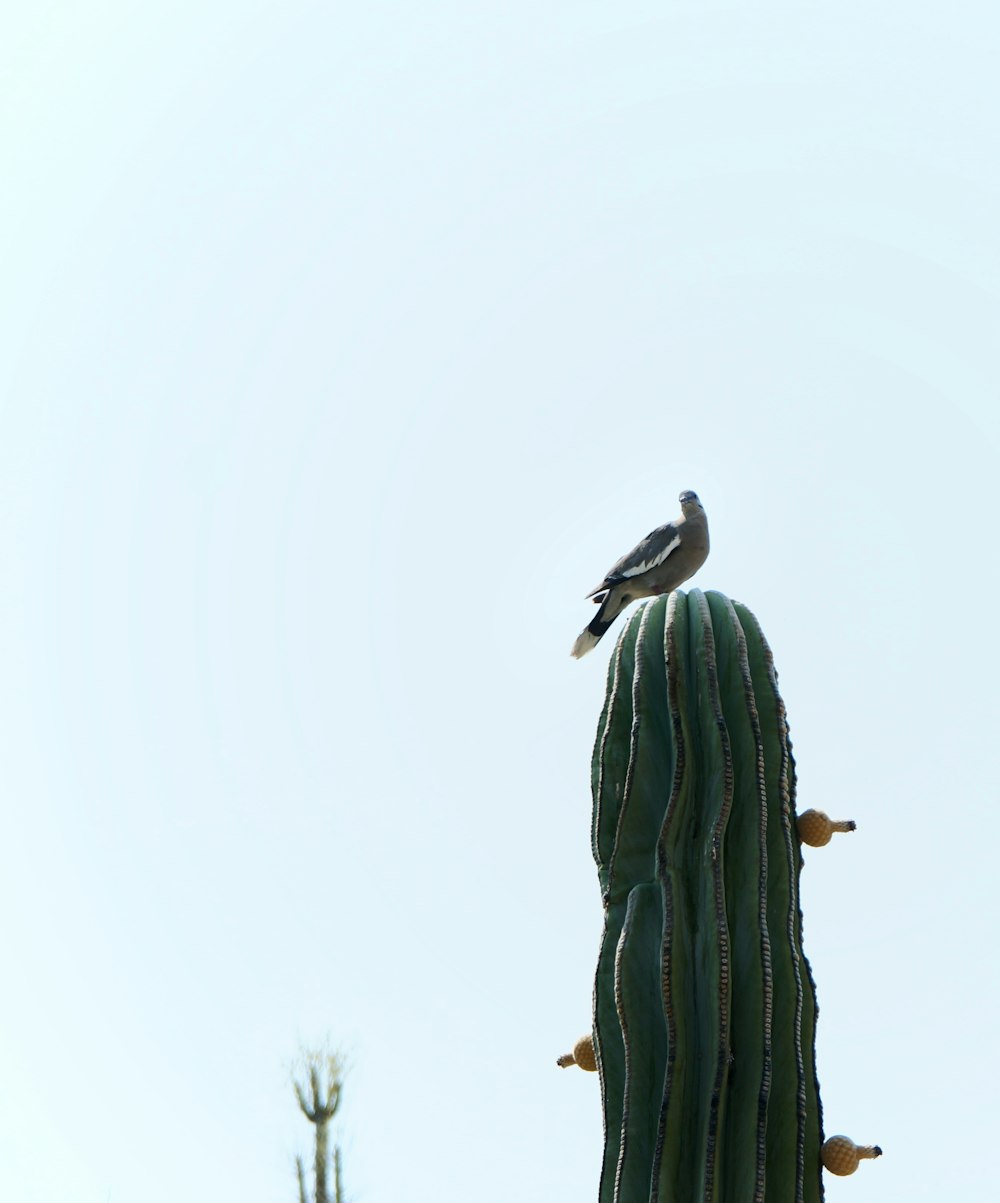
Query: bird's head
(689,502)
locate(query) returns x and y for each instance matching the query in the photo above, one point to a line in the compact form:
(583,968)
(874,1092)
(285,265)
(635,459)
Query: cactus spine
(704,1005)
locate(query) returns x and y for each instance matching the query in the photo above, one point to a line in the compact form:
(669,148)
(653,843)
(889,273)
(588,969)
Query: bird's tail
(591,634)
(586,641)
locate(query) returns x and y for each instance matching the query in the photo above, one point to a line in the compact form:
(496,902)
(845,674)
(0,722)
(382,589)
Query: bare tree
(319,1098)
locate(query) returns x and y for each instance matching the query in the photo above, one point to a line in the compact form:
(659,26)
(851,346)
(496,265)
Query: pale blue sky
(342,349)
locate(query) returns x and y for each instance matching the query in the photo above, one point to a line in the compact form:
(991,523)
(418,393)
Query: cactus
(704,1004)
(319,1104)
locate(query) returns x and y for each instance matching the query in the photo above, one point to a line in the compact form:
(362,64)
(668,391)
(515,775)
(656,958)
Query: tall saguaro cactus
(704,1004)
(318,1100)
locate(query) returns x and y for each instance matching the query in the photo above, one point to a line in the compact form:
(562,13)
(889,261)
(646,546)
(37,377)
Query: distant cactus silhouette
(319,1099)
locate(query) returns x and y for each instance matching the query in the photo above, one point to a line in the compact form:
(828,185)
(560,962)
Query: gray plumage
(664,560)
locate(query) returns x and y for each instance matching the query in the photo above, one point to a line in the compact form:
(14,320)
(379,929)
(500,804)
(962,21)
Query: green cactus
(704,1005)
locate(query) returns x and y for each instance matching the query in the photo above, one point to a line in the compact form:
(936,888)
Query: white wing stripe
(656,560)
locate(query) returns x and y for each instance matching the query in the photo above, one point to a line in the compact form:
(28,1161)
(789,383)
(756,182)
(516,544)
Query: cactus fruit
(816,828)
(842,1156)
(704,1004)
(582,1055)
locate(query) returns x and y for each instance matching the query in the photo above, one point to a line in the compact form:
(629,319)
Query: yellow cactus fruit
(582,1055)
(815,828)
(841,1155)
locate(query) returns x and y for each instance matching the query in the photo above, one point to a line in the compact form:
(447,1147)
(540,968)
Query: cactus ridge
(704,1005)
(746,860)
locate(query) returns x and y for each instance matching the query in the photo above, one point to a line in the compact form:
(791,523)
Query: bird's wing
(648,554)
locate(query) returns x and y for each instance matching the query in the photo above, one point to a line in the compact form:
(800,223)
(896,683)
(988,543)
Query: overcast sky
(342,349)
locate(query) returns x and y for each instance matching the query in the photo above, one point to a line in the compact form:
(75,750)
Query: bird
(665,559)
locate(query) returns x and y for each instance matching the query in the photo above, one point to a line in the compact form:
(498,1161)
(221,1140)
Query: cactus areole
(704,1005)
